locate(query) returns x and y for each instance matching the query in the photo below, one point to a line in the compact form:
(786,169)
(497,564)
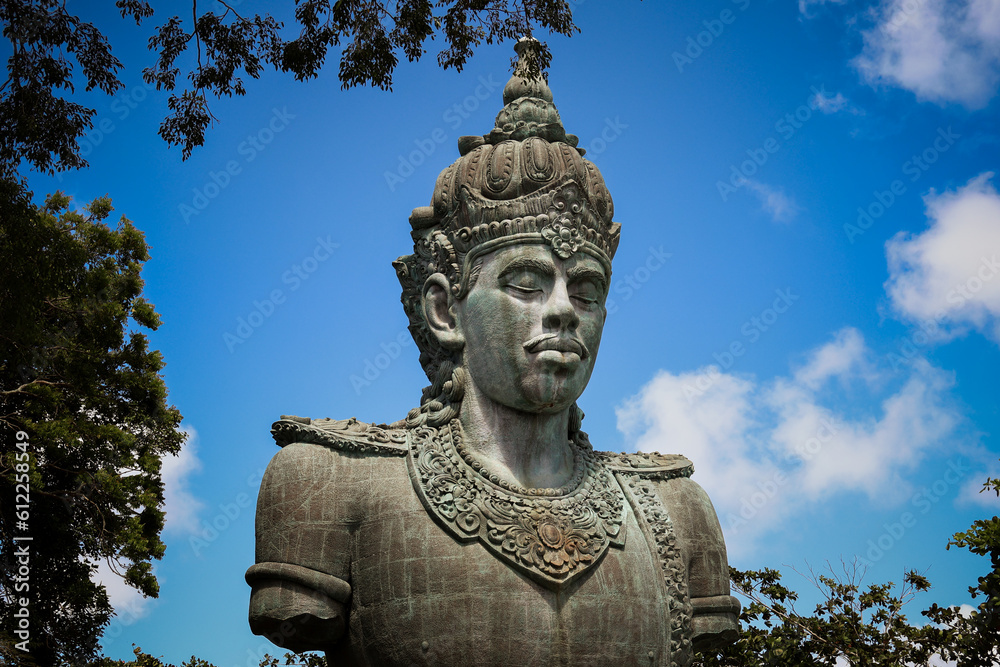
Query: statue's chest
(443,573)
(422,597)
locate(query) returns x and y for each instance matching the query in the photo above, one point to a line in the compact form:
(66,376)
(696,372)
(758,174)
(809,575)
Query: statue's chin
(551,395)
(547,386)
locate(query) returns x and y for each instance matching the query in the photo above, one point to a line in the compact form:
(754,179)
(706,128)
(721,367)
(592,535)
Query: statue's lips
(553,341)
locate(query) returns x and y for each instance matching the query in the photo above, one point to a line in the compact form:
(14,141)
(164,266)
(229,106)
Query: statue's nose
(560,315)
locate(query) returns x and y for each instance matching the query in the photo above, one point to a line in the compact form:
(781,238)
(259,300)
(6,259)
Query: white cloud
(965,610)
(949,276)
(829,105)
(671,414)
(775,203)
(942,50)
(833,104)
(972,492)
(765,450)
(129,604)
(838,358)
(180,505)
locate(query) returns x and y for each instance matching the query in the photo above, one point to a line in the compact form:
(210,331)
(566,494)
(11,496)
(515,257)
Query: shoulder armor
(346,435)
(653,465)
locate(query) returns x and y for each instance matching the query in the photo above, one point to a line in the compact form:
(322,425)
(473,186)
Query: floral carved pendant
(552,536)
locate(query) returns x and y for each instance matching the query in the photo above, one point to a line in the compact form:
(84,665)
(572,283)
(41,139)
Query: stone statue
(483,529)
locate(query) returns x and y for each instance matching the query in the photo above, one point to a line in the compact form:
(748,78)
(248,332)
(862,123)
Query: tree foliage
(862,625)
(80,384)
(146,660)
(866,625)
(977,635)
(207,54)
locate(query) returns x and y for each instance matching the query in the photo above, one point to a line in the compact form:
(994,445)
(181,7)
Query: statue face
(532,326)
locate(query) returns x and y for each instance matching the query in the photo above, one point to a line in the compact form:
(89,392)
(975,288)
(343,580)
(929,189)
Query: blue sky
(806,299)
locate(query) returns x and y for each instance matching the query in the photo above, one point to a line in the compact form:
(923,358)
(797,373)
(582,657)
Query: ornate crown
(524,182)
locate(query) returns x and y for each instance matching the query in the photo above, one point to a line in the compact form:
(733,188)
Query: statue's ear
(440,313)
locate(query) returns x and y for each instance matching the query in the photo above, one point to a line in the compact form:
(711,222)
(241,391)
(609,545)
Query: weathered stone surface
(484,529)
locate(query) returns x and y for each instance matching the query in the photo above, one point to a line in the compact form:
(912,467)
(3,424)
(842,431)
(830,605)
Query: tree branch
(20,390)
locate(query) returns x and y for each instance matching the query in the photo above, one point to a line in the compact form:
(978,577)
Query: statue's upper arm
(697,527)
(300,581)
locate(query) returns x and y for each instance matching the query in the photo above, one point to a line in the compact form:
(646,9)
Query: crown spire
(524,83)
(528,108)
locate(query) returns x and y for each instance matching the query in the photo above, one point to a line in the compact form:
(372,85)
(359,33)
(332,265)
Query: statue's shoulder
(337,469)
(342,435)
(648,464)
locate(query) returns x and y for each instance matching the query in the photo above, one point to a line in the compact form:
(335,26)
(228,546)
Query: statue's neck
(528,449)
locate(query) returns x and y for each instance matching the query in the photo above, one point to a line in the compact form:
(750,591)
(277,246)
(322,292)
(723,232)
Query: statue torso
(446,567)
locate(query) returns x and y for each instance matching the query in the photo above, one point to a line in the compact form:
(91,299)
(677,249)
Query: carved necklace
(457,439)
(551,535)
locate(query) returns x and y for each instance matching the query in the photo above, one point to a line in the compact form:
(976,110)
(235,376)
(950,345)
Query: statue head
(511,263)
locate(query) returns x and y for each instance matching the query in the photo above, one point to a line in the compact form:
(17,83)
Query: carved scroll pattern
(552,539)
(652,466)
(657,519)
(347,435)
